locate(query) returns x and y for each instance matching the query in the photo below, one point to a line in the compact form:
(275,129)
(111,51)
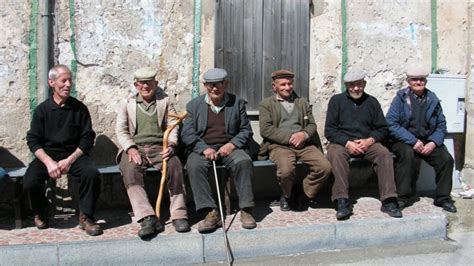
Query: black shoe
(149,226)
(181,225)
(344,209)
(402,204)
(391,209)
(447,206)
(284,203)
(303,202)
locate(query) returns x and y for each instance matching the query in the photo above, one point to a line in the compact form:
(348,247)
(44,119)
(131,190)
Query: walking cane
(226,242)
(164,168)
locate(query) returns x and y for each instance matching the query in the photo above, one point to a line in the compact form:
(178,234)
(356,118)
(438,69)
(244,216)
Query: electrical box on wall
(450,90)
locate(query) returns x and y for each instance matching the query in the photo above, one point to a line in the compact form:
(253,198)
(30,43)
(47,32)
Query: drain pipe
(196,48)
(44,50)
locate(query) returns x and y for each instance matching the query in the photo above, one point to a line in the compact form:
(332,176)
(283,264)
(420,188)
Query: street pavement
(457,249)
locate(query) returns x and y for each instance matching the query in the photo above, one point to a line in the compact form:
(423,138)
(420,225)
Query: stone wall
(110,39)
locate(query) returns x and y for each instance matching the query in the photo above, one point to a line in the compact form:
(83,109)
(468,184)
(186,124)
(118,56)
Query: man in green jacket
(289,134)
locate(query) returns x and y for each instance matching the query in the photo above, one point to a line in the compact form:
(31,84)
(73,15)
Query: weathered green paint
(345,55)
(434,36)
(33,55)
(196,48)
(72,26)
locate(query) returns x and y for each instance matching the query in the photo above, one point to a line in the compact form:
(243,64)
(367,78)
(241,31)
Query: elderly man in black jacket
(218,129)
(60,136)
(356,126)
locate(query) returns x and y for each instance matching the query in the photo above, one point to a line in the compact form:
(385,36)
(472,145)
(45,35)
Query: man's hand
(134,156)
(210,154)
(65,165)
(54,171)
(167,153)
(364,144)
(354,148)
(419,146)
(297,139)
(227,149)
(428,148)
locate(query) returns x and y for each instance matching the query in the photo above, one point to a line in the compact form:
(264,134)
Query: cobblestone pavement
(119,225)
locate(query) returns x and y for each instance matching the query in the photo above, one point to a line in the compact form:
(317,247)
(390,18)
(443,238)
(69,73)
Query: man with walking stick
(141,123)
(218,129)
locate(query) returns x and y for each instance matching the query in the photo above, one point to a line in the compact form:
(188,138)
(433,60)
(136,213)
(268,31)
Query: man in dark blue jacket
(218,129)
(418,127)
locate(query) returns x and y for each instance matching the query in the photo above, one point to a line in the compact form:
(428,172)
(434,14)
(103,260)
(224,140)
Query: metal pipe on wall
(44,44)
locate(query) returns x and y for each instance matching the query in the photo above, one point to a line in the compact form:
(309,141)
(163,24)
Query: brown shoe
(210,223)
(246,217)
(88,224)
(40,221)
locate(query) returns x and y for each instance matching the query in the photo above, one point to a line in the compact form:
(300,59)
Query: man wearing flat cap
(355,127)
(217,129)
(418,127)
(289,134)
(141,122)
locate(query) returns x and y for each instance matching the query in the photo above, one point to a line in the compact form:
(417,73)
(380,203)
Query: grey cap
(214,75)
(417,72)
(144,73)
(354,75)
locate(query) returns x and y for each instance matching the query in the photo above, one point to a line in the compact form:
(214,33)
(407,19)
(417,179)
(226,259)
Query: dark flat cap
(354,75)
(417,72)
(214,75)
(282,73)
(144,73)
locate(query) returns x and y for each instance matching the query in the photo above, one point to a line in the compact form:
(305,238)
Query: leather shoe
(447,206)
(391,209)
(181,225)
(211,222)
(344,209)
(402,204)
(40,222)
(246,217)
(148,227)
(88,224)
(284,203)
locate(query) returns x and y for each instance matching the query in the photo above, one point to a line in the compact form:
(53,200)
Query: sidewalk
(277,233)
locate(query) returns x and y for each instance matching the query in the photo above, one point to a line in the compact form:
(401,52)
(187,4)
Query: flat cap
(354,75)
(144,73)
(282,73)
(417,72)
(214,75)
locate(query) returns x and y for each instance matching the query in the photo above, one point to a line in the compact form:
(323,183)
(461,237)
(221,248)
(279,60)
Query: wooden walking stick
(164,168)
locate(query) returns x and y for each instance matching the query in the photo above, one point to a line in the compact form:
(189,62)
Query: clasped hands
(424,149)
(224,151)
(359,146)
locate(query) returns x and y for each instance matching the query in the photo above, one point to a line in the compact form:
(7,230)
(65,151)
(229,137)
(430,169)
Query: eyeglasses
(417,79)
(211,85)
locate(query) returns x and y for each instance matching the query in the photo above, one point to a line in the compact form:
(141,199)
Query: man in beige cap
(356,127)
(141,122)
(218,129)
(289,134)
(418,127)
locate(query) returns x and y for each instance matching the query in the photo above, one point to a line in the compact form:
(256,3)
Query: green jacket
(269,118)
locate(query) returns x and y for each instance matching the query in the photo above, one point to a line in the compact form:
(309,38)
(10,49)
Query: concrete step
(277,233)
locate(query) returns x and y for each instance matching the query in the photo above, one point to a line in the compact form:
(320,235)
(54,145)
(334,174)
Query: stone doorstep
(278,233)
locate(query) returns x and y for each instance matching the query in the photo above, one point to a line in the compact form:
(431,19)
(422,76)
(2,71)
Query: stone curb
(196,248)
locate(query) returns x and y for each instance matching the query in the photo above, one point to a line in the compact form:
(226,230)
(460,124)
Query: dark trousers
(83,173)
(238,163)
(408,169)
(382,162)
